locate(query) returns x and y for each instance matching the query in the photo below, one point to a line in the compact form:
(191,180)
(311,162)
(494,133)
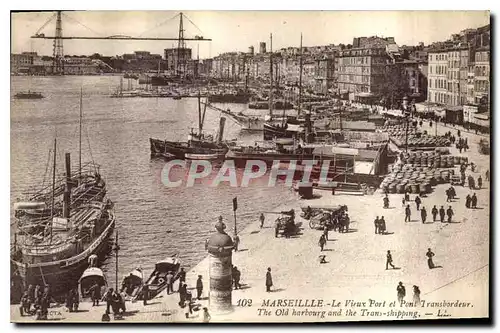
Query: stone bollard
(220,249)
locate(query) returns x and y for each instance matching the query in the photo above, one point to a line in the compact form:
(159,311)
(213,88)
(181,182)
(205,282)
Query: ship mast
(271,78)
(300,77)
(80,138)
(53,190)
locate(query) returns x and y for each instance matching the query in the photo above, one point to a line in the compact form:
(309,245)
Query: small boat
(133,282)
(28,95)
(207,157)
(157,281)
(90,277)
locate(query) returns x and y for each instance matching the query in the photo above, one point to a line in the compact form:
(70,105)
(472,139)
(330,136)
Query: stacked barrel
(419,171)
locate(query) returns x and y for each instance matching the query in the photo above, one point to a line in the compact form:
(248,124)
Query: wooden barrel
(400,188)
(425,187)
(456,159)
(415,188)
(392,188)
(446,176)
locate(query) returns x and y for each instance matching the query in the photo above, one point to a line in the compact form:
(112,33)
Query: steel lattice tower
(181,50)
(58,52)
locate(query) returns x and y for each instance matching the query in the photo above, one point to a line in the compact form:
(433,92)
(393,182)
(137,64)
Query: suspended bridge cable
(45,24)
(83,25)
(193,23)
(159,25)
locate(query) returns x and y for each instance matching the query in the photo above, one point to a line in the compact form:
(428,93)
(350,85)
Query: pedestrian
(262,218)
(269,280)
(108,297)
(381,228)
(389,261)
(418,202)
(236,242)
(430,255)
(376,222)
(95,293)
(423,215)
(199,287)
(386,201)
(182,293)
(407,196)
(479,182)
(236,278)
(206,315)
(416,296)
(403,202)
(25,304)
(458,133)
(75,300)
(322,242)
(145,295)
(430,123)
(182,275)
(487,175)
(170,282)
(449,212)
(434,213)
(186,308)
(474,201)
(468,200)
(325,232)
(442,213)
(407,213)
(401,290)
(276,230)
(471,182)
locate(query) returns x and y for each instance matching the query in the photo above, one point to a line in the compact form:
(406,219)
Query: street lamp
(406,111)
(116,248)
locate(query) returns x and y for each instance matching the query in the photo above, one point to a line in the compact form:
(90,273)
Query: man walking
(322,242)
(325,232)
(381,226)
(423,215)
(376,222)
(170,282)
(449,212)
(429,256)
(407,213)
(418,202)
(434,213)
(389,261)
(442,213)
(269,280)
(479,182)
(262,218)
(182,276)
(487,176)
(401,290)
(236,277)
(199,287)
(474,201)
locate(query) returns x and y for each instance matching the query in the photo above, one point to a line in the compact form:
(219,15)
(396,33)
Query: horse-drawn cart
(285,224)
(319,217)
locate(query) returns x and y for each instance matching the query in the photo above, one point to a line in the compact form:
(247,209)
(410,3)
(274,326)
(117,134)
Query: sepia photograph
(249,166)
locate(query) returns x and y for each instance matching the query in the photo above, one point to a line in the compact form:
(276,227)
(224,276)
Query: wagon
(320,216)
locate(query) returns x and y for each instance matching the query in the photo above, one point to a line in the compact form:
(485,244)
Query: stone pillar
(220,249)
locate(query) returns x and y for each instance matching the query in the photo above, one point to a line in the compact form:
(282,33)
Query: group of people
(462,144)
(471,201)
(380,226)
(401,294)
(36,301)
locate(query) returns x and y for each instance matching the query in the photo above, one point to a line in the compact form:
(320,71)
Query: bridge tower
(58,51)
(181,50)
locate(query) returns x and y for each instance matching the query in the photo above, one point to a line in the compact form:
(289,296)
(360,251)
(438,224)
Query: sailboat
(288,127)
(75,221)
(198,143)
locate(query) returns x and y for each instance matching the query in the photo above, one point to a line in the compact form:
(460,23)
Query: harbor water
(153,221)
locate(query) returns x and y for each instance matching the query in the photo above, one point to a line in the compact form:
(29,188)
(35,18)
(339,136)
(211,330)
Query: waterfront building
(438,69)
(177,59)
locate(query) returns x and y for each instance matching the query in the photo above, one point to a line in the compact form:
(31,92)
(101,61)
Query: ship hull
(62,275)
(160,148)
(272,131)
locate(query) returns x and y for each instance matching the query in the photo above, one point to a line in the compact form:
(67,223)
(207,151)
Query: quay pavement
(355,268)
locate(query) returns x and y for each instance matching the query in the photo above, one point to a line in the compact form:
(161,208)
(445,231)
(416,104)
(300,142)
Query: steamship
(60,226)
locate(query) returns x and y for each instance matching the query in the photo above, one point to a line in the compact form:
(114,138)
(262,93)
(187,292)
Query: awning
(294,128)
(364,94)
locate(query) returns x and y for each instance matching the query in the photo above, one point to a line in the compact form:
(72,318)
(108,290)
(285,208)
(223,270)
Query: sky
(235,30)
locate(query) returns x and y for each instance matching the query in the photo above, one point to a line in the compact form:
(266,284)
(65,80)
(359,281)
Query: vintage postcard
(249,166)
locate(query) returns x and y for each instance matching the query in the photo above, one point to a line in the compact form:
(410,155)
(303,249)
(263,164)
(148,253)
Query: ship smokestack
(221,129)
(67,188)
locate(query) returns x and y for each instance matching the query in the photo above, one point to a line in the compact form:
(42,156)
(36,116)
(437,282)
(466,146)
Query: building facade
(438,83)
(361,71)
(482,76)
